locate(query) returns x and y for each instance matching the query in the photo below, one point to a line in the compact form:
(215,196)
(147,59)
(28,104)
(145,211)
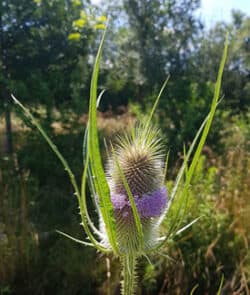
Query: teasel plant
(129,193)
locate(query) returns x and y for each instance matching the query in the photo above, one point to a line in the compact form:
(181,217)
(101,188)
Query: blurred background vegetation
(47,48)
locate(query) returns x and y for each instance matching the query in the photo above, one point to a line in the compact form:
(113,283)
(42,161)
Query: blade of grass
(183,167)
(183,202)
(184,156)
(84,150)
(99,178)
(83,208)
(83,198)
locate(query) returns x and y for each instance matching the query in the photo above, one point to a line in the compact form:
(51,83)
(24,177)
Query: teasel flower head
(131,198)
(139,158)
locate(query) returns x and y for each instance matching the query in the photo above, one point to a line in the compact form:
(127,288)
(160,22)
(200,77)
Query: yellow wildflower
(100,27)
(102,19)
(74,37)
(79,23)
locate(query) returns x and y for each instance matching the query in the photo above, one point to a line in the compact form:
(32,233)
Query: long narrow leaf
(54,148)
(89,177)
(84,151)
(210,118)
(185,162)
(206,129)
(157,101)
(177,186)
(99,178)
(182,170)
(74,239)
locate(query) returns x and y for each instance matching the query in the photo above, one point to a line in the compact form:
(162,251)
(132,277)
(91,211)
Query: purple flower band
(149,205)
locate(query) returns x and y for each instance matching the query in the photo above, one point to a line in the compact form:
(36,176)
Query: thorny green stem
(129,274)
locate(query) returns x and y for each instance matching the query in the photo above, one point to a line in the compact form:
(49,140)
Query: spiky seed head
(141,158)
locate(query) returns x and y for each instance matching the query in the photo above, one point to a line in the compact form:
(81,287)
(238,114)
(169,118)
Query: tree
(38,54)
(236,85)
(163,32)
(165,35)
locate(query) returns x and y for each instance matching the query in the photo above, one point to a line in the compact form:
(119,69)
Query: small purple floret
(119,201)
(149,205)
(153,204)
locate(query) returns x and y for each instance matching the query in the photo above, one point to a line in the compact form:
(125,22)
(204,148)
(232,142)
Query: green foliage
(38,59)
(50,70)
(17,233)
(34,251)
(51,178)
(98,180)
(215,245)
(156,26)
(236,87)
